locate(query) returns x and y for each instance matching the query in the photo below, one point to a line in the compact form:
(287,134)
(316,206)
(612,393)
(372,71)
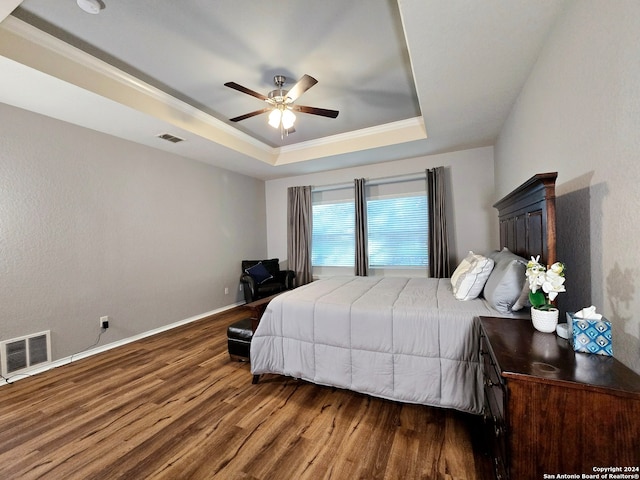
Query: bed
(407,339)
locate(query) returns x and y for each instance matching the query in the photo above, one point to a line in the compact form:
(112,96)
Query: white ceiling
(410,78)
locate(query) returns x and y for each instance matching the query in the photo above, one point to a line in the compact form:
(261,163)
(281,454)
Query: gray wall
(579,114)
(92,225)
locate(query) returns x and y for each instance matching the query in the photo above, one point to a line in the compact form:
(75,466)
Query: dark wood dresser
(551,411)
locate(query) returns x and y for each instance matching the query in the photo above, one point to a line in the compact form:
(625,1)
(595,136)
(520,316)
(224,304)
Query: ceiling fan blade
(304,84)
(323,112)
(246,90)
(249,115)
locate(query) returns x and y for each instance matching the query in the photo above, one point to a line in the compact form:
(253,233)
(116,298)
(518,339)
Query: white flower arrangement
(544,283)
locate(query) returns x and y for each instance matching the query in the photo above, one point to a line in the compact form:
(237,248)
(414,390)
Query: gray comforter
(405,339)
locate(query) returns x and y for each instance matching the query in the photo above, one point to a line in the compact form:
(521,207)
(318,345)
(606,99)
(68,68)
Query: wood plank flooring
(173,406)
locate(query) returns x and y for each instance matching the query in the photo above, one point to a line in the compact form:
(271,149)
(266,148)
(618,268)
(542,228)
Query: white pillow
(470,276)
(464,267)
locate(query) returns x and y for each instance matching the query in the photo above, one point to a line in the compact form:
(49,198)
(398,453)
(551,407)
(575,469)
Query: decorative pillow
(464,267)
(470,276)
(505,283)
(259,273)
(523,299)
(495,254)
(504,254)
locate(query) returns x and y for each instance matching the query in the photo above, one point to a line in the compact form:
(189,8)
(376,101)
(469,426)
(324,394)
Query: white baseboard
(109,346)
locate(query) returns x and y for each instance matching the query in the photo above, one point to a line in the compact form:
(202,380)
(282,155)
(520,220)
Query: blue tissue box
(590,336)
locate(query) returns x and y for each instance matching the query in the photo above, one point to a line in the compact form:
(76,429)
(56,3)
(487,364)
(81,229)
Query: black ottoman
(239,339)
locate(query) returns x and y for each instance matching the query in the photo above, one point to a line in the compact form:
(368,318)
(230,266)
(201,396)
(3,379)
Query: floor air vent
(22,353)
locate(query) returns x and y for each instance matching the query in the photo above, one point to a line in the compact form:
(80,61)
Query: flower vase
(544,320)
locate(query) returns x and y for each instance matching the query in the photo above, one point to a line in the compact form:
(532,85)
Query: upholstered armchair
(261,278)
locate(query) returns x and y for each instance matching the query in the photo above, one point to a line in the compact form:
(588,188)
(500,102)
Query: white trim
(100,82)
(376,130)
(30,47)
(392,133)
(103,348)
(77,67)
(8,6)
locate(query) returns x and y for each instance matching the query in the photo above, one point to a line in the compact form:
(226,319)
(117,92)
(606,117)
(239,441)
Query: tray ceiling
(409,78)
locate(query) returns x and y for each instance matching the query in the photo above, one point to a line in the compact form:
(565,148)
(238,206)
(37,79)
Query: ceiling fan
(281,103)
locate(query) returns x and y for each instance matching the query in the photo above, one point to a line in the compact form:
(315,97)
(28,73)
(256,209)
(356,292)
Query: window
(333,241)
(397,232)
(397,222)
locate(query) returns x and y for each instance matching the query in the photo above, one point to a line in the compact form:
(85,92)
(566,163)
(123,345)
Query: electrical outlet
(226,290)
(240,287)
(104,322)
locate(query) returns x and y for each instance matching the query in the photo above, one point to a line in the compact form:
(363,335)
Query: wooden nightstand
(550,410)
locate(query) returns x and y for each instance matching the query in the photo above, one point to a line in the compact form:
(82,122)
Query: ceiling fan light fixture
(288,119)
(90,6)
(280,103)
(274,118)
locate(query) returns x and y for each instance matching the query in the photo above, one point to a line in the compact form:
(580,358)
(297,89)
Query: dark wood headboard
(527,218)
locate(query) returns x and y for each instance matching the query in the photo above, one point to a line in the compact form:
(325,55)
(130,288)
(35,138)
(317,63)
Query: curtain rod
(373,182)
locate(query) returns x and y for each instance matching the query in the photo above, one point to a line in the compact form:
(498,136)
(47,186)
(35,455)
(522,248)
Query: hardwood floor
(173,406)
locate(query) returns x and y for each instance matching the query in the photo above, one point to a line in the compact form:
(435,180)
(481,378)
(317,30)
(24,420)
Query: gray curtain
(438,238)
(362,256)
(299,225)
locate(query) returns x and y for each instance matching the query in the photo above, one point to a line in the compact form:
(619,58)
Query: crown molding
(8,6)
(34,48)
(372,137)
